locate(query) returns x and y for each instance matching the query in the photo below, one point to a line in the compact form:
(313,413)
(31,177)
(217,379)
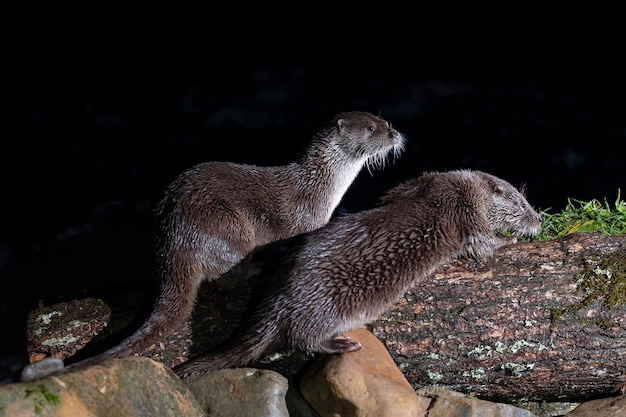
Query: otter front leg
(339,344)
(504,240)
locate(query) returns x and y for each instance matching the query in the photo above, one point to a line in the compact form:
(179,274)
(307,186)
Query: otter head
(508,210)
(368,138)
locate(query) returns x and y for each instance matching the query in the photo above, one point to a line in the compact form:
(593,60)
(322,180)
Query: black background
(95,123)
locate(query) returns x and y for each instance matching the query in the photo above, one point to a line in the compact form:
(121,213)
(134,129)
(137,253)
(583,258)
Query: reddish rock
(605,407)
(362,383)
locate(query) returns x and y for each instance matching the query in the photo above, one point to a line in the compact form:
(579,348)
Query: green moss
(41,397)
(602,280)
(604,323)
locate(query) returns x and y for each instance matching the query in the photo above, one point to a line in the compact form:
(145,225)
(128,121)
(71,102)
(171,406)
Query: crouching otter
(348,272)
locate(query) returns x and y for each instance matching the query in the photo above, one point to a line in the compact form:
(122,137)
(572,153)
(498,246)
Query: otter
(347,273)
(216,213)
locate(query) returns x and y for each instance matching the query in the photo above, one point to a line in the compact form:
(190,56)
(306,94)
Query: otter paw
(505,240)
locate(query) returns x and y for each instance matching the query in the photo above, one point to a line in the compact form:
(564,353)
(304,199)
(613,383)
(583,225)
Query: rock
(41,369)
(362,383)
(240,392)
(297,405)
(605,407)
(117,387)
(446,403)
(548,409)
(63,329)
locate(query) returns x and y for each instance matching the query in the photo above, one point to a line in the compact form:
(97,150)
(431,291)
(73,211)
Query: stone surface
(362,383)
(134,386)
(446,403)
(41,368)
(240,392)
(605,407)
(297,405)
(548,409)
(338,385)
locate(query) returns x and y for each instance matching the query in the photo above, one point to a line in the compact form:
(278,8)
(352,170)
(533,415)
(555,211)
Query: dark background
(93,126)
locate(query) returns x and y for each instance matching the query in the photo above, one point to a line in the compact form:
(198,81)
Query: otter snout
(397,138)
(534,222)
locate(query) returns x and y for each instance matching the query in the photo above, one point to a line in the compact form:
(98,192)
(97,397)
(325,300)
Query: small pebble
(41,369)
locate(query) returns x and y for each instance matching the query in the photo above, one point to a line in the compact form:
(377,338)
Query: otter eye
(371,128)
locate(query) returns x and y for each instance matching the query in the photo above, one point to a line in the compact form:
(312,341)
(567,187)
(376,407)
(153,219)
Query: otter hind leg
(339,344)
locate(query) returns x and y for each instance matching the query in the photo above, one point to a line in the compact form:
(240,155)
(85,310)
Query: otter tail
(174,305)
(244,348)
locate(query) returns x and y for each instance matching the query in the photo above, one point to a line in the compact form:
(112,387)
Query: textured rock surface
(365,383)
(132,386)
(447,403)
(353,384)
(542,321)
(241,392)
(605,407)
(63,329)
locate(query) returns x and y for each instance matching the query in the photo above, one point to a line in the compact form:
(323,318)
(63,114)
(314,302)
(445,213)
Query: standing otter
(347,273)
(214,214)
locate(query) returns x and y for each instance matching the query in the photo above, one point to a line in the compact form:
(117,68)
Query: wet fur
(214,214)
(349,272)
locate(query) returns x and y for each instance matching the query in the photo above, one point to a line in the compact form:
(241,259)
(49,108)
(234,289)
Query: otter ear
(497,188)
(341,124)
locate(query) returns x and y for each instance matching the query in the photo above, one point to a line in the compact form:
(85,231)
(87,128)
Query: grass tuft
(585,216)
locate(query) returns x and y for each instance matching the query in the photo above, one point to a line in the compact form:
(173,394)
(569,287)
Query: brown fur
(347,273)
(214,214)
